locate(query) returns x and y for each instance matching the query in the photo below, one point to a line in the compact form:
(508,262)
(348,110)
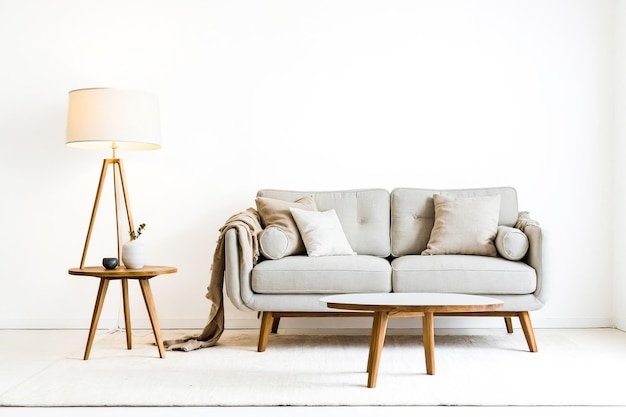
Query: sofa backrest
(413,214)
(363,213)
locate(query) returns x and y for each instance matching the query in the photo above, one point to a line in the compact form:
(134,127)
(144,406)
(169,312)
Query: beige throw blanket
(523,220)
(247,225)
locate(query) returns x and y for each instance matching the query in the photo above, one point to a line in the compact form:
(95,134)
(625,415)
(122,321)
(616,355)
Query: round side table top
(122,272)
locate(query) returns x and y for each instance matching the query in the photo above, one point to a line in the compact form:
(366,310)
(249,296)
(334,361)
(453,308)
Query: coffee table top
(413,302)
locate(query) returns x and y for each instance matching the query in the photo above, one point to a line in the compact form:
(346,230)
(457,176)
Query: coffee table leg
(102,292)
(428,331)
(377,339)
(154,321)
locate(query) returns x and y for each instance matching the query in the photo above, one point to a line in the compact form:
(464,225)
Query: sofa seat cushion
(322,275)
(468,274)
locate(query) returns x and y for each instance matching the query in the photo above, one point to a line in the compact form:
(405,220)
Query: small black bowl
(109,263)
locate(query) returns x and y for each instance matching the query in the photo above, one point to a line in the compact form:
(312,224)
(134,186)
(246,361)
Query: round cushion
(273,242)
(511,243)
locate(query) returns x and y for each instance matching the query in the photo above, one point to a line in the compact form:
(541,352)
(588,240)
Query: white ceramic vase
(133,254)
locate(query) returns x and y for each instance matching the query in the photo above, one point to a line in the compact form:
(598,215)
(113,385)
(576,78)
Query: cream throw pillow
(275,215)
(464,225)
(322,233)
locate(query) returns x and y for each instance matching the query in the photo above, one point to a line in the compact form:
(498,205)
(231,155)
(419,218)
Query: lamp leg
(118,169)
(129,215)
(103,175)
(117,214)
(117,164)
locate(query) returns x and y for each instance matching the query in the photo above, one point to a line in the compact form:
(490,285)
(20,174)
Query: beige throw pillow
(464,225)
(275,214)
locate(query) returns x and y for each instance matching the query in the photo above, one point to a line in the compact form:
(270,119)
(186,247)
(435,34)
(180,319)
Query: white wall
(303,95)
(619,155)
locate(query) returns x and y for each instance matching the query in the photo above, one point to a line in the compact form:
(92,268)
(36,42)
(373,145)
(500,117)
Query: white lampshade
(106,118)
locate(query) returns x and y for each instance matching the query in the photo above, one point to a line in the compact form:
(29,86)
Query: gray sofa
(472,241)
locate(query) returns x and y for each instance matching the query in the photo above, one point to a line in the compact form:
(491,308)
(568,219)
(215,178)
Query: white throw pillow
(321,232)
(464,225)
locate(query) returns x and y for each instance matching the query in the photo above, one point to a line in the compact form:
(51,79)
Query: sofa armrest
(534,257)
(237,272)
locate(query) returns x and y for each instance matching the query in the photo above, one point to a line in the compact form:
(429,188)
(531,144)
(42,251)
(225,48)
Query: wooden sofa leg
(524,319)
(275,324)
(509,324)
(266,326)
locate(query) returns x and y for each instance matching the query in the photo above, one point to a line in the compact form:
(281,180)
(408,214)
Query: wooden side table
(142,275)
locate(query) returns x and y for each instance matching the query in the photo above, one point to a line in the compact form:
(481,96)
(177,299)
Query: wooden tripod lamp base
(118,177)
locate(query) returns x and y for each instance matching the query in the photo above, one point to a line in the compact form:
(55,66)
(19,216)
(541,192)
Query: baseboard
(306,323)
(415,322)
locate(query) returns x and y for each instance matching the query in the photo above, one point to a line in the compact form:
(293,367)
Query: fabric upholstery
(462,273)
(322,275)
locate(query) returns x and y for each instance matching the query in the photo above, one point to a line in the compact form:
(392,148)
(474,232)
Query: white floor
(24,353)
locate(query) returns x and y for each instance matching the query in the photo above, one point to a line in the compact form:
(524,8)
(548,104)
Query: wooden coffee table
(386,305)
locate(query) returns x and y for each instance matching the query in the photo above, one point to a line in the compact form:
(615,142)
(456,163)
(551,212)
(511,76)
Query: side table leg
(102,292)
(428,330)
(377,340)
(129,337)
(154,321)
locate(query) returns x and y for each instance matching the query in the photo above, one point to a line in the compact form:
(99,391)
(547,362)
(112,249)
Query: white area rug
(329,370)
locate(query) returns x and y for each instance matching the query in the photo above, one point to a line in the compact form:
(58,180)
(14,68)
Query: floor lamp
(106,118)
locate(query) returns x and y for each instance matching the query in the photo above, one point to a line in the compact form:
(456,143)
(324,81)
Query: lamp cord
(120,320)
